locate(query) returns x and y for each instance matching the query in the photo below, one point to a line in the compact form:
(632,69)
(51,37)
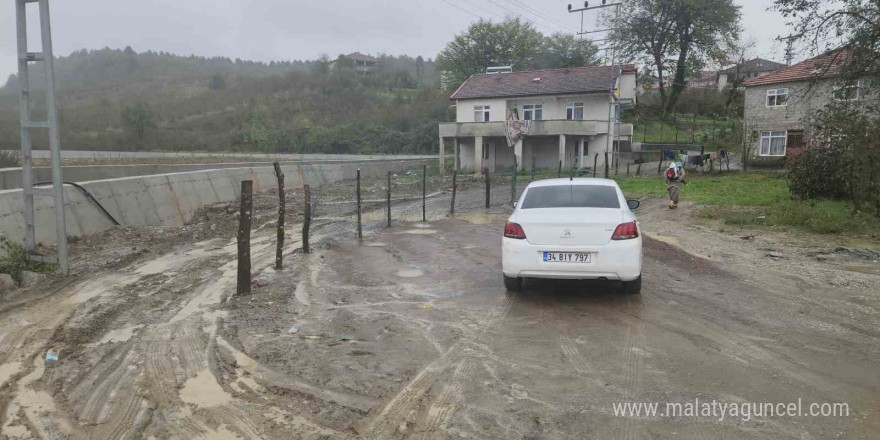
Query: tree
(645,32)
(420,69)
(138,120)
(704,30)
(217,82)
(564,50)
(738,54)
(510,42)
(823,25)
(685,33)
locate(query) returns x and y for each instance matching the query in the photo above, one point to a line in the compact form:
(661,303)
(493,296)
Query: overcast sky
(266,30)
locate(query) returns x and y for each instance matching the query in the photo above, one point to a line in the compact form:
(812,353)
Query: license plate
(566,257)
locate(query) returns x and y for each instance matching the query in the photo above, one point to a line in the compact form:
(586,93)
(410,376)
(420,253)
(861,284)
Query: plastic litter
(345,338)
(426,306)
(293,329)
(51,355)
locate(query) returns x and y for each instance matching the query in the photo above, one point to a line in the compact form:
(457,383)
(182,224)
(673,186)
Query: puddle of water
(204,391)
(8,370)
(476,218)
(409,273)
(422,225)
(376,244)
(420,232)
(119,335)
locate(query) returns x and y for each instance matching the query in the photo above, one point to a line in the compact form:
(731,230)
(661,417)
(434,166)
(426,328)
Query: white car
(573,229)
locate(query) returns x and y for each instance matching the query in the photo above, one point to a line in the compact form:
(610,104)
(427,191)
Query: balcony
(536,128)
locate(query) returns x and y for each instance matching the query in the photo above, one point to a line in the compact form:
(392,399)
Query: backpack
(672,173)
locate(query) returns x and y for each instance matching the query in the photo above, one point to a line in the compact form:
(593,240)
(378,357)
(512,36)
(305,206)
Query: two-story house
(363,64)
(779,106)
(570,112)
(753,68)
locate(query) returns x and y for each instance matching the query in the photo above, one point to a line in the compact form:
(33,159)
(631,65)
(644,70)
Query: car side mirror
(633,204)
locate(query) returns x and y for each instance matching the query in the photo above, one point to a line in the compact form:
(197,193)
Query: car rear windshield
(571,196)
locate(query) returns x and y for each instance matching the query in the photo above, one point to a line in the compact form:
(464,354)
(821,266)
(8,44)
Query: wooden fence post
(307,219)
(606,164)
(389,199)
(454,188)
(243,285)
(424,189)
(360,230)
(513,182)
(279,248)
(486,174)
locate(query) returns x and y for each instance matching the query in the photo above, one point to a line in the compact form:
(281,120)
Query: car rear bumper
(616,260)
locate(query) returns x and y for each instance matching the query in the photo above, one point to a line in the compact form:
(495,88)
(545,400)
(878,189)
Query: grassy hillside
(121,100)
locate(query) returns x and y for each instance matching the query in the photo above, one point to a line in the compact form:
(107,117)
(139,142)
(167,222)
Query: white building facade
(568,112)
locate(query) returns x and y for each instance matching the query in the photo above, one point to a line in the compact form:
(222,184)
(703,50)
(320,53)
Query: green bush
(13,261)
(816,172)
(10,159)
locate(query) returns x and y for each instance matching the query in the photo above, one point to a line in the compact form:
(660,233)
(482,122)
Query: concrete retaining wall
(167,199)
(10,178)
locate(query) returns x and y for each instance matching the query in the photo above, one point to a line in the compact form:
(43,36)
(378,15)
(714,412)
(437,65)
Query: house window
(777,97)
(533,112)
(481,113)
(574,111)
(773,143)
(849,92)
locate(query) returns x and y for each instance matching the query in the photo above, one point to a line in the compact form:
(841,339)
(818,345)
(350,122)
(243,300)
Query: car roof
(576,181)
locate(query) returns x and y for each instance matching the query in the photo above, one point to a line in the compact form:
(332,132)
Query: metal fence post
(639,168)
(360,230)
(243,285)
(454,188)
(424,189)
(279,247)
(389,198)
(559,173)
(627,169)
(486,174)
(307,219)
(595,163)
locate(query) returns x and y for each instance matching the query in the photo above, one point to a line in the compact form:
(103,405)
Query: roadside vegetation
(760,200)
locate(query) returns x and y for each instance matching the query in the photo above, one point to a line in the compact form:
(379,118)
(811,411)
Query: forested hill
(114,99)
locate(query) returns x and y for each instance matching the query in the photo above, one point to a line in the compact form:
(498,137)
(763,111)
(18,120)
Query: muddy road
(410,334)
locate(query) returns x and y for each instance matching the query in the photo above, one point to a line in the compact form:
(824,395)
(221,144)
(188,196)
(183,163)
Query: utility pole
(51,124)
(614,103)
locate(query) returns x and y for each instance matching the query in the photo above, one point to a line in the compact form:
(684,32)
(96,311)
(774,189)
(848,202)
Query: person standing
(674,179)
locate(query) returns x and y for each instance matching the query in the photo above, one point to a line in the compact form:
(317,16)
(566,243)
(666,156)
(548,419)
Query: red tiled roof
(541,82)
(357,56)
(827,64)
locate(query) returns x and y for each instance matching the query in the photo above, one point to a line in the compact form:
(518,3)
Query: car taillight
(514,230)
(625,231)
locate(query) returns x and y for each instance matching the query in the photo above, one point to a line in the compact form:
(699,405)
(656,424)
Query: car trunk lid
(569,226)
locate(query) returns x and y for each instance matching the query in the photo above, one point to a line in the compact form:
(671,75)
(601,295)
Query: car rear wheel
(512,283)
(633,287)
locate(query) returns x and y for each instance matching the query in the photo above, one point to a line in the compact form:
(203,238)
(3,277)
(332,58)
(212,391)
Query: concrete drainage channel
(170,199)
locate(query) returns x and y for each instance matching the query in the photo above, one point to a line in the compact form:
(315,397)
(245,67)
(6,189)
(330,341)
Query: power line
(546,17)
(462,9)
(482,9)
(518,15)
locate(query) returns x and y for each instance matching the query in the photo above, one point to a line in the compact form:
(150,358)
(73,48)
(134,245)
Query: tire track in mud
(396,416)
(632,363)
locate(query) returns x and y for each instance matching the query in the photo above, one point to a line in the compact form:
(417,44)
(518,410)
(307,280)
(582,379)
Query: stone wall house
(780,106)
